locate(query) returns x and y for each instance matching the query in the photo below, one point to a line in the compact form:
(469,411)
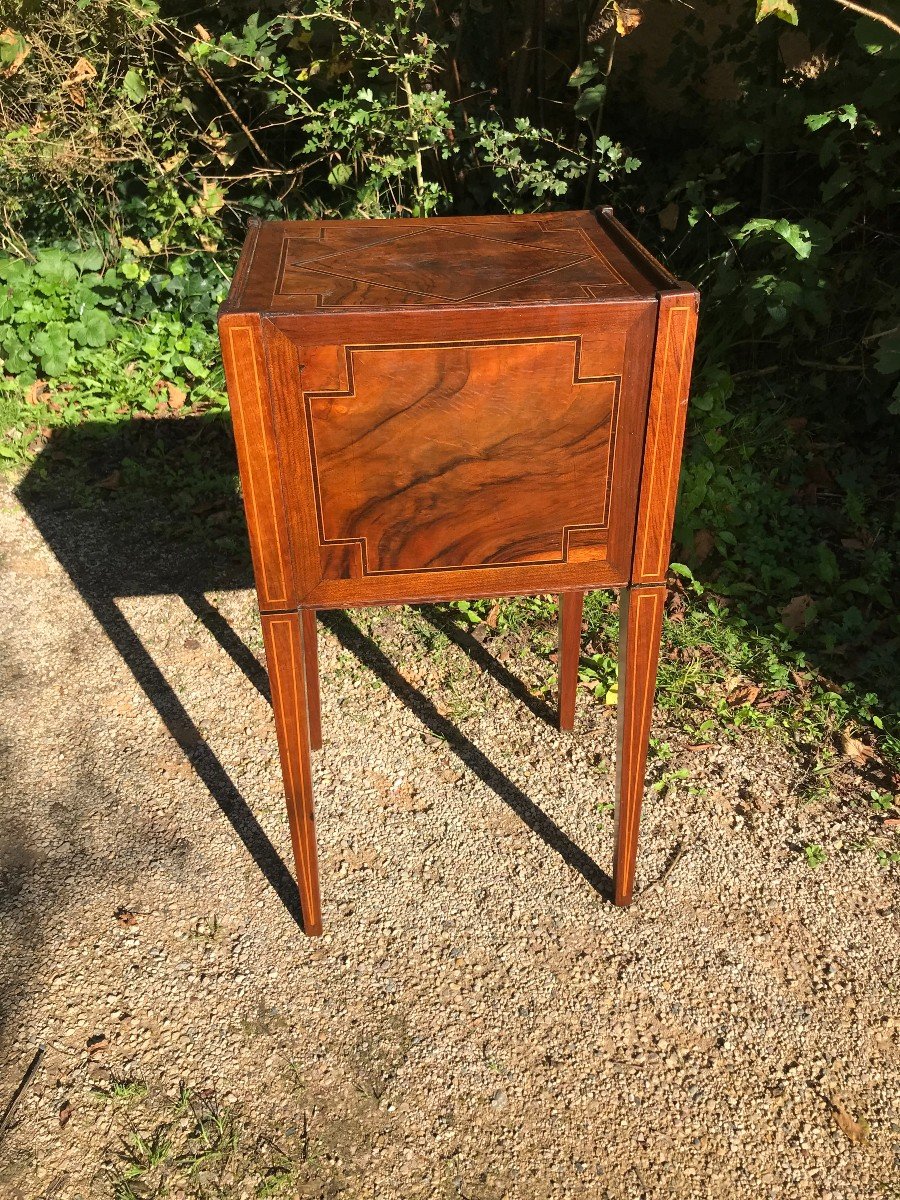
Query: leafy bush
(79,341)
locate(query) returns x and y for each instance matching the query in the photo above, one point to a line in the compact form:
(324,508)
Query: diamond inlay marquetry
(330,265)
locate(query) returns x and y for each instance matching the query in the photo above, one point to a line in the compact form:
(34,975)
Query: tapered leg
(286,658)
(640,627)
(570,608)
(311,664)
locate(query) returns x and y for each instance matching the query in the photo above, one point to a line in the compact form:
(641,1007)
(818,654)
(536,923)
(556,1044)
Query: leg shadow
(364,649)
(488,663)
(237,650)
(195,748)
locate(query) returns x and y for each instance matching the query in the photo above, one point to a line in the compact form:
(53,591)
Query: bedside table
(438,409)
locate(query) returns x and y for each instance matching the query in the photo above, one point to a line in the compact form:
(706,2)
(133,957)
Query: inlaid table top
(561,258)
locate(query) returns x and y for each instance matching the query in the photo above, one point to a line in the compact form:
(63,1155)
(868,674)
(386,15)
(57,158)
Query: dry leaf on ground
(856,1131)
(793,615)
(858,752)
(177,397)
(744,693)
(80,73)
(704,544)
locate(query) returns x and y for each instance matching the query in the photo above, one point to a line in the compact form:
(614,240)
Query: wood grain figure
(435,409)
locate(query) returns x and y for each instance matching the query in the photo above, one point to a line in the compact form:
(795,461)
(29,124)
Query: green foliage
(82,340)
(815,855)
(333,109)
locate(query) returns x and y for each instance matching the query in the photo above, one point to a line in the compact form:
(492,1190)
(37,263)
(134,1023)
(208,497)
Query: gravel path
(478,1021)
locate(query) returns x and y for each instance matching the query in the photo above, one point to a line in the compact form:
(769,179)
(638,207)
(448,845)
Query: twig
(757,371)
(823,366)
(677,854)
(873,337)
(870,12)
(21,1089)
(417,150)
(205,75)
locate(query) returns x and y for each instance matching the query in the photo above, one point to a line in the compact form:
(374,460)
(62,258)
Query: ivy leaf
(195,366)
(135,88)
(776,8)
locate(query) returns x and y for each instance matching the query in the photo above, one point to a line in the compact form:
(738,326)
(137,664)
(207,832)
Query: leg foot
(570,609)
(640,627)
(286,658)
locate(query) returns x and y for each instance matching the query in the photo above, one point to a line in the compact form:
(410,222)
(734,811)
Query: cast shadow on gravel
(151,507)
(112,543)
(363,648)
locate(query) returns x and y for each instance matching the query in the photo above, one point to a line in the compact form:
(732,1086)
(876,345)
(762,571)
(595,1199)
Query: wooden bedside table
(441,409)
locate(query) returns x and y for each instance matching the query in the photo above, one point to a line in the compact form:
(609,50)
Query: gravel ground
(477,1021)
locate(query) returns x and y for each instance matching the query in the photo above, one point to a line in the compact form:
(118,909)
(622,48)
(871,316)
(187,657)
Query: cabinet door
(460,453)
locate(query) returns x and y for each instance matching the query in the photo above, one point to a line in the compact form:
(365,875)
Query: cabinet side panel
(257,460)
(669,391)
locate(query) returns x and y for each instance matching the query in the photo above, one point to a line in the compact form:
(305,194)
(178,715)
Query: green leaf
(590,100)
(887,356)
(89,260)
(94,329)
(195,366)
(827,565)
(584,73)
(776,8)
(53,348)
(340,174)
(13,49)
(56,268)
(135,88)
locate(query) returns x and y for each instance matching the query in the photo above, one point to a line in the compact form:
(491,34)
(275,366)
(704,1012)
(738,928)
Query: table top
(443,263)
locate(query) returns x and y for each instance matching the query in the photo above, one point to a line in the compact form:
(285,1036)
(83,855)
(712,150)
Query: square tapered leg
(640,627)
(286,656)
(571,605)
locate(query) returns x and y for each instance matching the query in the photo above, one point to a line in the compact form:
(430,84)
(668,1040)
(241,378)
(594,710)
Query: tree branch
(870,12)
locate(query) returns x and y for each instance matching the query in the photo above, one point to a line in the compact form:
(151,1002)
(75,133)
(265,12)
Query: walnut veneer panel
(484,478)
(421,467)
